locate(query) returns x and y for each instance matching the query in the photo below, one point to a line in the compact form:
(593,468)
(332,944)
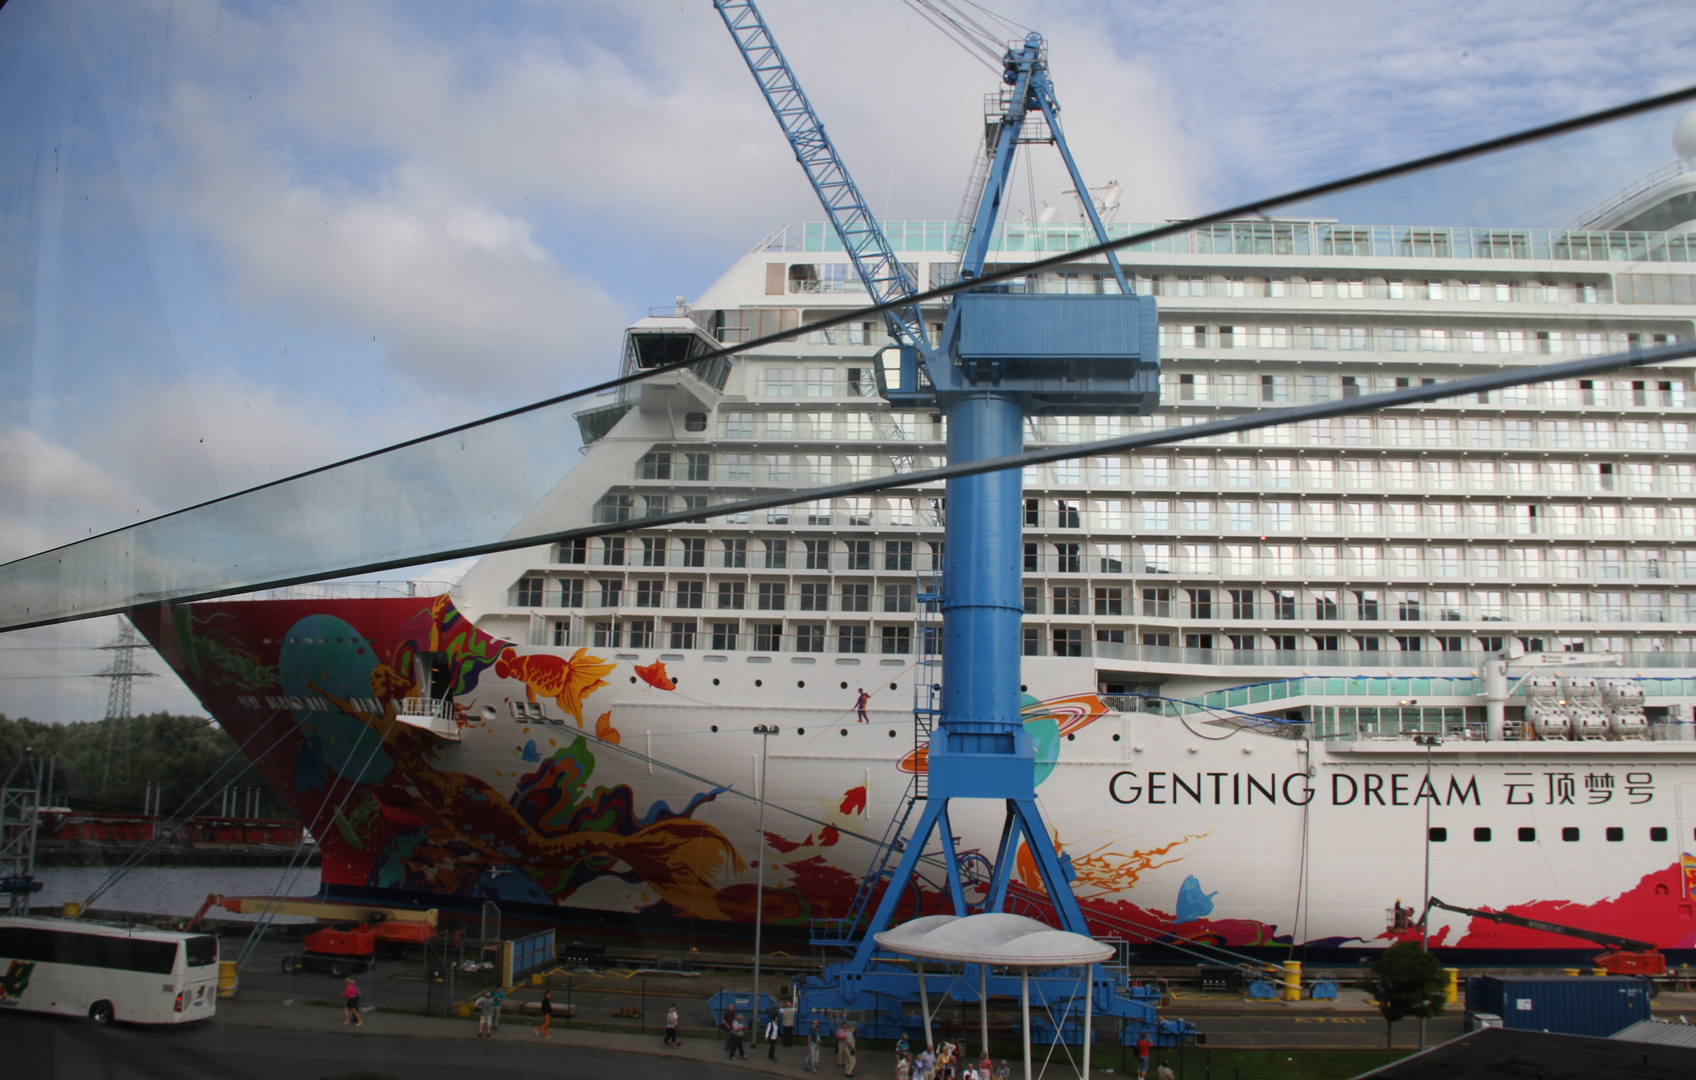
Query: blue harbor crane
(1004,353)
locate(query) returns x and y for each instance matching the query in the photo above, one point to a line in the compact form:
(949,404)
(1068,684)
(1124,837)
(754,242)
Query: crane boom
(886,279)
(1606,940)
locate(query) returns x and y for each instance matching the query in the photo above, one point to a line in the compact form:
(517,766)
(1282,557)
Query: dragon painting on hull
(315,701)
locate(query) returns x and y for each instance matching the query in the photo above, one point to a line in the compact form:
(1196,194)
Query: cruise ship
(1283,685)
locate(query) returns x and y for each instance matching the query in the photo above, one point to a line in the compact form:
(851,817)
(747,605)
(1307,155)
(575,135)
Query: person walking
(499,996)
(485,1006)
(350,1004)
(771,1036)
(787,1014)
(1143,1049)
(547,1014)
(812,1064)
(733,1029)
(841,1038)
(848,1046)
(671,1025)
(860,706)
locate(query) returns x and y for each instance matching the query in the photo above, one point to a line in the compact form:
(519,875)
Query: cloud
(51,495)
(459,291)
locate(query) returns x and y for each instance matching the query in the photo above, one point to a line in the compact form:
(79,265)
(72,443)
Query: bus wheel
(100,1012)
(338,969)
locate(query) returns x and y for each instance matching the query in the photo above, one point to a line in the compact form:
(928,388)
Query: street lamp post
(765,732)
(1427,741)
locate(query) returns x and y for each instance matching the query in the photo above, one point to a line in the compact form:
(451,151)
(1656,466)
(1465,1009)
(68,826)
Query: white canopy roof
(992,938)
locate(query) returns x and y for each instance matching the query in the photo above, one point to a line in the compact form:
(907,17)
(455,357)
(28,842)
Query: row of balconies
(1323,651)
(1523,564)
(1376,433)
(1428,520)
(1214,605)
(1314,475)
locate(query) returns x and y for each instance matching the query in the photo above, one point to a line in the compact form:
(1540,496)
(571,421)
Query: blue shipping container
(1594,1005)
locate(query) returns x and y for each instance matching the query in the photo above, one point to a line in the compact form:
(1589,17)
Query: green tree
(106,765)
(1407,981)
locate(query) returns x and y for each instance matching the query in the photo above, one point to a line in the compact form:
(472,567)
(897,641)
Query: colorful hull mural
(441,765)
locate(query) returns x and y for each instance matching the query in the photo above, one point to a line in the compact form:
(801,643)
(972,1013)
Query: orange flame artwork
(654,675)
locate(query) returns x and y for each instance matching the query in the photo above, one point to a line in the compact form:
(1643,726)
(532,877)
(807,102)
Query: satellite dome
(1684,136)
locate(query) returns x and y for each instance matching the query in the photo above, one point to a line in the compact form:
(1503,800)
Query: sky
(238,240)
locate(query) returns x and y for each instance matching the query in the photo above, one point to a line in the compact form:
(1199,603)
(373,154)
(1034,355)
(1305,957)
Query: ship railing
(1018,240)
(1626,194)
(353,590)
(435,715)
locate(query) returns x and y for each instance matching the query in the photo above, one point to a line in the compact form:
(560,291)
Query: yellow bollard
(1292,980)
(72,909)
(1451,992)
(1598,971)
(1570,971)
(228,979)
(536,978)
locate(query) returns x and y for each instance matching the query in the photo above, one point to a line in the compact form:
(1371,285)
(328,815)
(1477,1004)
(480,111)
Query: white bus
(107,972)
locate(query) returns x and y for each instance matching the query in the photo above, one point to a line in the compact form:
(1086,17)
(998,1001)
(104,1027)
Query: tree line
(105,766)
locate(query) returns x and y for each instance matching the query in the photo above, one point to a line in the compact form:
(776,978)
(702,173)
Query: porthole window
(1527,836)
(844,686)
(1658,833)
(715,682)
(1115,738)
(1023,688)
(892,734)
(845,731)
(632,680)
(715,729)
(695,421)
(892,686)
(1570,834)
(1481,834)
(1438,834)
(800,731)
(1070,737)
(759,682)
(1615,834)
(801,682)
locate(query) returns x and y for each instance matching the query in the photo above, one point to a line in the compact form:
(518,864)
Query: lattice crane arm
(885,278)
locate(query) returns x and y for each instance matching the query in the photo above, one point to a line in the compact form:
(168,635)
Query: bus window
(202,950)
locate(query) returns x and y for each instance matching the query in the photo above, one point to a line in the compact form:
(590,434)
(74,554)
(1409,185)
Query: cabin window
(1527,835)
(1481,834)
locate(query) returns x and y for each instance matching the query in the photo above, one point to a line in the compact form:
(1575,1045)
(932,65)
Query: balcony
(435,715)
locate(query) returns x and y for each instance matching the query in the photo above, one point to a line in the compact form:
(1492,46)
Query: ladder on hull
(927,690)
